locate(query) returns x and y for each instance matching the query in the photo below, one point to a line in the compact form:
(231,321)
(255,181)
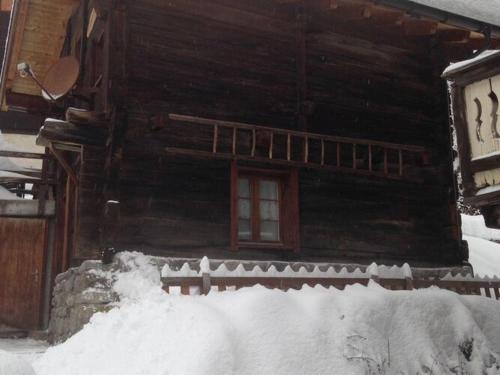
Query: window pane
(269,210)
(269,231)
(244,188)
(268,190)
(244,230)
(244,208)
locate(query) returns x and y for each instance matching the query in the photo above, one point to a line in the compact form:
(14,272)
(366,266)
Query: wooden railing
(193,285)
(289,147)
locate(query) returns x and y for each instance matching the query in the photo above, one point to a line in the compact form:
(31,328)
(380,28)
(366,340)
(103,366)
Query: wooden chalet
(314,130)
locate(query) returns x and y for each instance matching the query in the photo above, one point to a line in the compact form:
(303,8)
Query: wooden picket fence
(203,284)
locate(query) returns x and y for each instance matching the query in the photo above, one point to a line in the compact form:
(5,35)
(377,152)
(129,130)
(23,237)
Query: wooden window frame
(288,208)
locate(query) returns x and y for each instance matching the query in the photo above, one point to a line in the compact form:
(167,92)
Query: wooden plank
(216,136)
(22,265)
(228,156)
(62,161)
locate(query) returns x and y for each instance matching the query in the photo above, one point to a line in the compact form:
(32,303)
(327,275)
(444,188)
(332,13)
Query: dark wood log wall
(238,60)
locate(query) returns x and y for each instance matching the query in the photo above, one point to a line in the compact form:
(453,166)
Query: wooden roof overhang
(37,30)
(459,35)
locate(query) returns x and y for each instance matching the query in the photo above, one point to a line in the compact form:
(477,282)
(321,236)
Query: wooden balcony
(239,141)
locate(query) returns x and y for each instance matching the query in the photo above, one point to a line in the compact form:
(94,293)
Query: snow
(314,331)
(27,349)
(6,174)
(482,10)
(261,331)
(7,195)
(461,65)
(10,364)
(484,255)
(488,189)
(6,146)
(319,271)
(474,226)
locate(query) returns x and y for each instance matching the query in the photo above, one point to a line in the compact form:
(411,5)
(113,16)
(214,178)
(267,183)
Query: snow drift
(11,364)
(361,330)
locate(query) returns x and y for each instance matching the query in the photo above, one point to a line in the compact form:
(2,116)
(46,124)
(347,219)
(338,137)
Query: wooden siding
(239,61)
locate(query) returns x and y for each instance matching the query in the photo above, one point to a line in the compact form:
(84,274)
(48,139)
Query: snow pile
(361,330)
(484,255)
(11,364)
(474,226)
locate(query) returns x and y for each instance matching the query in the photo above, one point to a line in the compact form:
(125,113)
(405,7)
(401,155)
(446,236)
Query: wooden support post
(67,168)
(67,221)
(44,187)
(206,283)
(216,135)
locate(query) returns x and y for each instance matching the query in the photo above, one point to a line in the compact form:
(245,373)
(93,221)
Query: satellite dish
(60,78)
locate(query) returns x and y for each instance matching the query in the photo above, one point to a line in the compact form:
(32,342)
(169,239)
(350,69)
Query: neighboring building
(475,89)
(349,159)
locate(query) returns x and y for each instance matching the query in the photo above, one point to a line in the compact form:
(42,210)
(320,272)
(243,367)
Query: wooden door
(22,252)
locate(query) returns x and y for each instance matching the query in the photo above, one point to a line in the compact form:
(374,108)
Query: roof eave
(442,16)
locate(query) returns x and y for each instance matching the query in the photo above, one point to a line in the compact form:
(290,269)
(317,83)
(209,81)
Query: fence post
(373,272)
(408,276)
(205,276)
(206,283)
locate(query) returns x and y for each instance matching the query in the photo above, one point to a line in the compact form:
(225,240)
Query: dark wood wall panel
(237,60)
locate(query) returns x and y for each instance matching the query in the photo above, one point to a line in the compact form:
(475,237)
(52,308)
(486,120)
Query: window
(264,208)
(258,209)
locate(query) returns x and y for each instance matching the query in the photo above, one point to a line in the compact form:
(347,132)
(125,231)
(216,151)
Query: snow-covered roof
(466,64)
(487,11)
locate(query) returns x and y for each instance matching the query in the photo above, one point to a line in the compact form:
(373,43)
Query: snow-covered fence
(193,282)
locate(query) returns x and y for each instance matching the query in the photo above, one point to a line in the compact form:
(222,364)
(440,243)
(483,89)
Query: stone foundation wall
(78,294)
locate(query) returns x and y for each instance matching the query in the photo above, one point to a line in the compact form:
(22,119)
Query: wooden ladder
(302,149)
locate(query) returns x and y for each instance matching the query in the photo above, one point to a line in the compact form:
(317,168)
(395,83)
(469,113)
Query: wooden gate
(23,242)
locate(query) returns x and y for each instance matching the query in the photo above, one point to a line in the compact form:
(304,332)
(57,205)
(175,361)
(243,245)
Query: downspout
(8,52)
